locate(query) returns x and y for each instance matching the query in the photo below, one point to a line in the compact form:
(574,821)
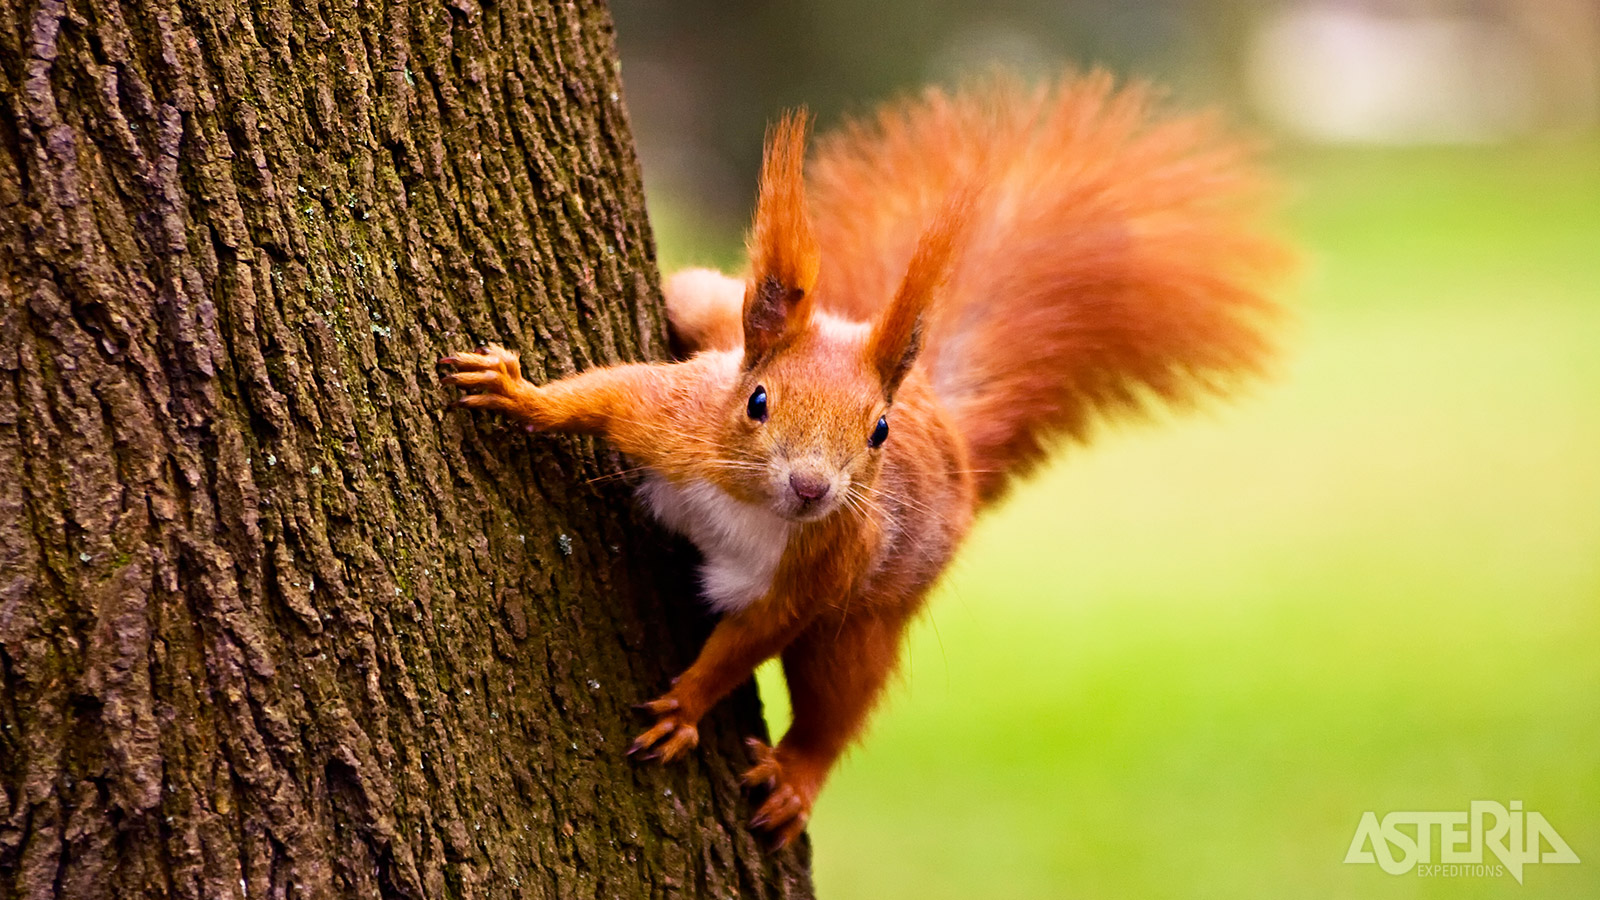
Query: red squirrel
(959,283)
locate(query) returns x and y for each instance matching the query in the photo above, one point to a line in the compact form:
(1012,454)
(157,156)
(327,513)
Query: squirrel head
(810,416)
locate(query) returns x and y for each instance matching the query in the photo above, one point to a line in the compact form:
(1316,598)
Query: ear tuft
(783,247)
(897,336)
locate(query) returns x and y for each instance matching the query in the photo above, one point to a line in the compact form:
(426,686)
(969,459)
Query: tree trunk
(274,621)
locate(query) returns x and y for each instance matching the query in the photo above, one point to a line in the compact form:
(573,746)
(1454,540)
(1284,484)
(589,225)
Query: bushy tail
(1112,259)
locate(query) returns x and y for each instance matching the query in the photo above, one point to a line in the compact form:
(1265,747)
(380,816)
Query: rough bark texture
(274,622)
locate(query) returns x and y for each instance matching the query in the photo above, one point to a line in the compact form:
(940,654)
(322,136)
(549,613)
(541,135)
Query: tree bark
(274,621)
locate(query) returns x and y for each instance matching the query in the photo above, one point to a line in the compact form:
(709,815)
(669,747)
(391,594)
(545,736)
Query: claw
(655,733)
(787,807)
(766,770)
(683,740)
(472,379)
(491,401)
(658,706)
(492,378)
(670,737)
(791,831)
(782,805)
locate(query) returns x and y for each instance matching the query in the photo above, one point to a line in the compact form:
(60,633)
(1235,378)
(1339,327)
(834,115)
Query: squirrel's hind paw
(784,812)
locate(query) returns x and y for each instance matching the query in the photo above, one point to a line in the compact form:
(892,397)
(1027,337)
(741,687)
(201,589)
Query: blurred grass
(1184,662)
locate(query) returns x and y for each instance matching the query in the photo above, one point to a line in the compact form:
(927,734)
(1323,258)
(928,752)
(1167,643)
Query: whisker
(908,502)
(864,504)
(621,473)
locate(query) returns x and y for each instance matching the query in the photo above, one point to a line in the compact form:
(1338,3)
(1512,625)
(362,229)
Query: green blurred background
(1184,662)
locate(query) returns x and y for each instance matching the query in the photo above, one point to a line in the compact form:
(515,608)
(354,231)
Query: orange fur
(1112,259)
(1055,256)
(897,334)
(703,308)
(783,247)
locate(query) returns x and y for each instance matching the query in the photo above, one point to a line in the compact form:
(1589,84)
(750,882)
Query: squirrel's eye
(757,407)
(880,433)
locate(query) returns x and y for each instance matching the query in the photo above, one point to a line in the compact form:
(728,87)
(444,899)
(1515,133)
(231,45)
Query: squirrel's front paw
(495,373)
(790,793)
(672,736)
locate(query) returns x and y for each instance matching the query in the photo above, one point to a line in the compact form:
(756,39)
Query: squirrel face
(805,427)
(809,413)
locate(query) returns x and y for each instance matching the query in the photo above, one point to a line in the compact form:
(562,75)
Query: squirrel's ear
(783,248)
(897,337)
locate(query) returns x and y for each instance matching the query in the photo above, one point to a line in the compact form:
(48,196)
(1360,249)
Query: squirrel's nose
(808,487)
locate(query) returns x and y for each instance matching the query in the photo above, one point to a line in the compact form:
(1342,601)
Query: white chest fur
(741,543)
